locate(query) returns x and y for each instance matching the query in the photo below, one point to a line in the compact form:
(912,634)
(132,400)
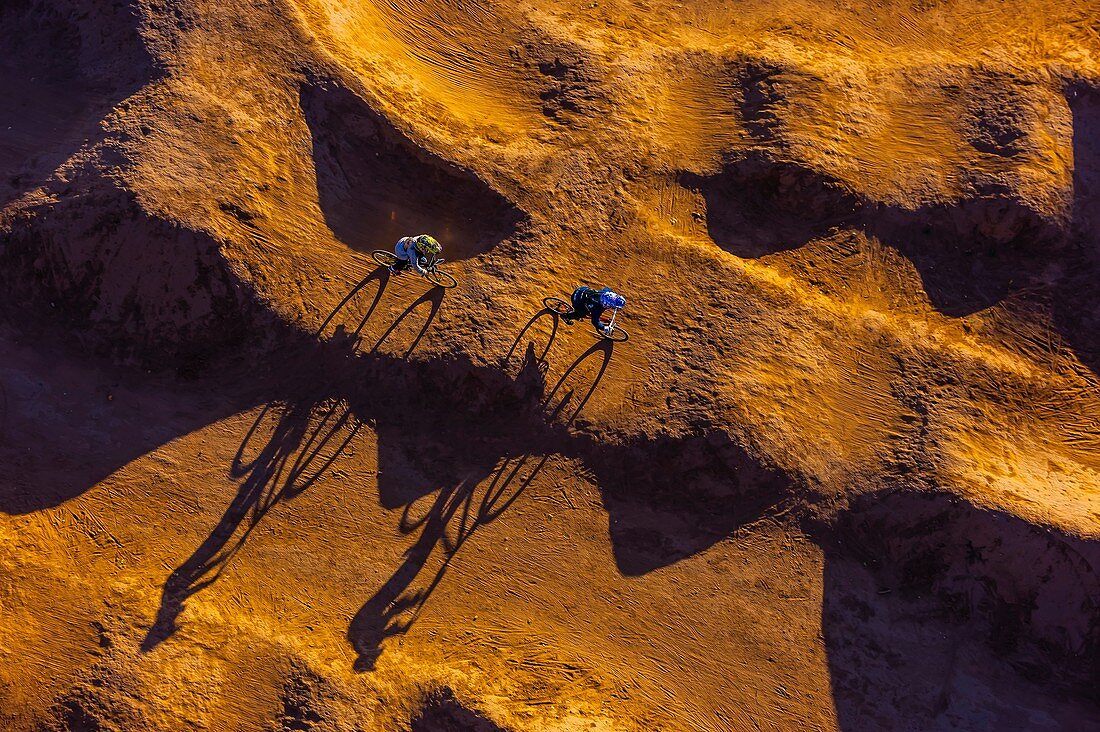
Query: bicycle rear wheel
(441,279)
(384,258)
(557,305)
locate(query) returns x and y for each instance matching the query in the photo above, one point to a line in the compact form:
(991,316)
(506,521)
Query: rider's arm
(414,259)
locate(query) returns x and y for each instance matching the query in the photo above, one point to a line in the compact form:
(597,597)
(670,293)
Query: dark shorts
(582,301)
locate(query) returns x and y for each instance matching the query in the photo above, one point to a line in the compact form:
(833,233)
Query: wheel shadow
(531,377)
(433,299)
(541,357)
(459,511)
(351,331)
(306,438)
(565,390)
(306,435)
(382,276)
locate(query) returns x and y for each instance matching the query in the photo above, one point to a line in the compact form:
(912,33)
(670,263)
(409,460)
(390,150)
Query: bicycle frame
(611,323)
(431,263)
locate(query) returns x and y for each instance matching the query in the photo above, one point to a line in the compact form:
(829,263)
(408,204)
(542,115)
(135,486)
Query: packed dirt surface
(844,474)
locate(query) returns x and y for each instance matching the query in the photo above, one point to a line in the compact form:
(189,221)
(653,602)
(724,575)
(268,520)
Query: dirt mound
(106,701)
(138,284)
(80,244)
(61,71)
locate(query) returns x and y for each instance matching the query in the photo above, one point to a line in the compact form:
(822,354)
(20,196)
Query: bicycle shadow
(604,348)
(382,276)
(541,358)
(307,436)
(459,511)
(433,298)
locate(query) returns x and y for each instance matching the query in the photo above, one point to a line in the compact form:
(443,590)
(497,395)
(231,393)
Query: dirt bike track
(843,475)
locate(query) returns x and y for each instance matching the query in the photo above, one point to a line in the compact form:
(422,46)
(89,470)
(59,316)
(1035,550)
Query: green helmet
(428,244)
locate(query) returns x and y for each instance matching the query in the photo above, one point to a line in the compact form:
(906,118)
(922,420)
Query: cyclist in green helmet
(415,251)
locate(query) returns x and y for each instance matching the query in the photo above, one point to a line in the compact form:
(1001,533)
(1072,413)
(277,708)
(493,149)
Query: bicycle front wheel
(441,279)
(617,335)
(384,258)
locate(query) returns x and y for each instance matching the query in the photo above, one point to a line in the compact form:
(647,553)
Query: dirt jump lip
(376,185)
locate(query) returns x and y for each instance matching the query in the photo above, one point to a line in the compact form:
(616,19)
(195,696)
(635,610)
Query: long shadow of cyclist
(382,276)
(307,437)
(455,515)
(308,434)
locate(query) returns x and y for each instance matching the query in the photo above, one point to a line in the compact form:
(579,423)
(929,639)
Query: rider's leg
(579,310)
(596,313)
(401,249)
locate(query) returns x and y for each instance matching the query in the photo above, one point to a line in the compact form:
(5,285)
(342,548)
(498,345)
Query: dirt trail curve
(843,475)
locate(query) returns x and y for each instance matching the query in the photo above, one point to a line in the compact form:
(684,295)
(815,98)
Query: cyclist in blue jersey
(592,303)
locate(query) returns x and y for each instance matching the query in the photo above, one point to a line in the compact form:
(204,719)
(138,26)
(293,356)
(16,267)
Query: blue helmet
(612,299)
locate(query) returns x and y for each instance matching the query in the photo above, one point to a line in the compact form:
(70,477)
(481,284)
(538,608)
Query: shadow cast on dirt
(442,712)
(1076,295)
(376,185)
(941,615)
(68,421)
(970,255)
(517,431)
(707,487)
(306,438)
(458,444)
(496,477)
(63,67)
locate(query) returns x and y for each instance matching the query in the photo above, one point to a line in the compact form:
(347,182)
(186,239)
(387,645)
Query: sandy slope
(843,475)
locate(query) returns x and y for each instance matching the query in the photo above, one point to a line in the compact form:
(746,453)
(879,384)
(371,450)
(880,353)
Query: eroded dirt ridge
(841,476)
(680,494)
(956,566)
(376,186)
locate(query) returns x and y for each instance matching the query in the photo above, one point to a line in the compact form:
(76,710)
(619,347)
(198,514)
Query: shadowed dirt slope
(843,475)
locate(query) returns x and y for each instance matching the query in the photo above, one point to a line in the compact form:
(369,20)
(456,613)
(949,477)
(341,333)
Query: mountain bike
(614,332)
(434,275)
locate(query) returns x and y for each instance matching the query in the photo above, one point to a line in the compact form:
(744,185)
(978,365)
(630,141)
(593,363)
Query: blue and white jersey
(406,249)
